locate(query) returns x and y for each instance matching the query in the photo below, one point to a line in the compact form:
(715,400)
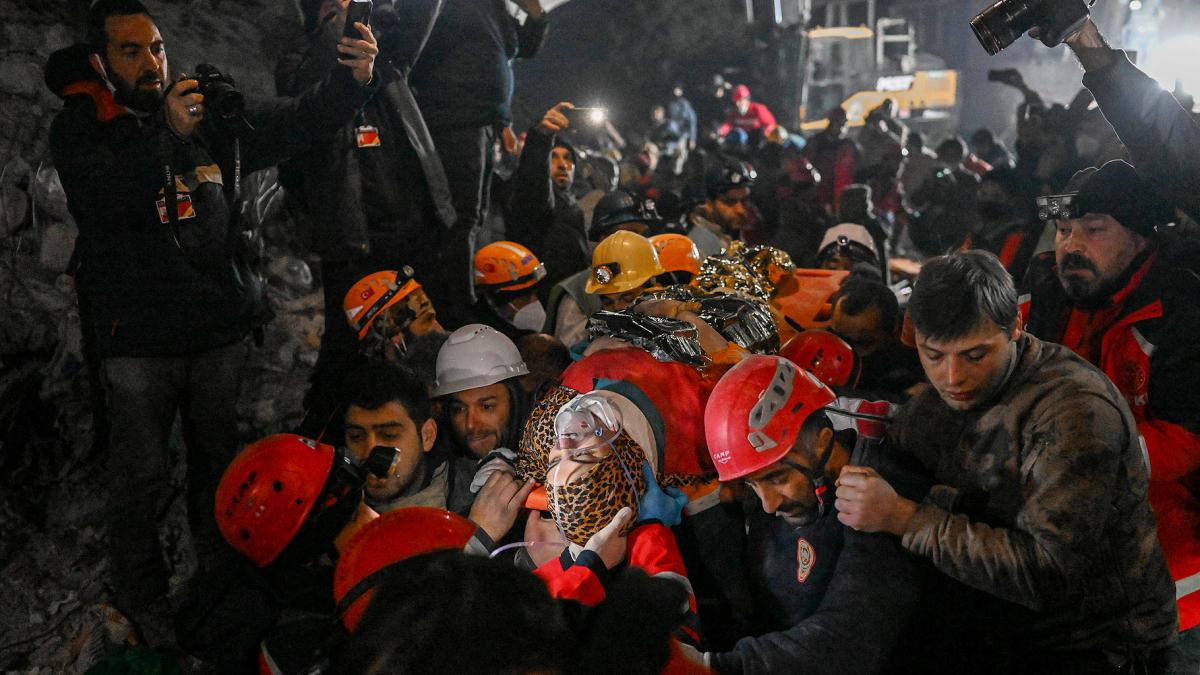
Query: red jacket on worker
(756,118)
(1145,341)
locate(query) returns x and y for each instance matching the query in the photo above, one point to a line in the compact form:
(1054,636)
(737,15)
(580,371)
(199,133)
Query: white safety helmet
(476,356)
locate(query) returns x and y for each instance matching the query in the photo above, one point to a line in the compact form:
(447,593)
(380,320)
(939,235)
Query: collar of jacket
(107,108)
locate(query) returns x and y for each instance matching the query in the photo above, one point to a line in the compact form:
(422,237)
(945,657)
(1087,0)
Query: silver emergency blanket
(740,320)
(665,339)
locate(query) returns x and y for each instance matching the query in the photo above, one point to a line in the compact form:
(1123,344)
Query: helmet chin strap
(816,475)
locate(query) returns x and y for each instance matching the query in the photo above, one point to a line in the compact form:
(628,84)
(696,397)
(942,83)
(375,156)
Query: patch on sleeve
(806,558)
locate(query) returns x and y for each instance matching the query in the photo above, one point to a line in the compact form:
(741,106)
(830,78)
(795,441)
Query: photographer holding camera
(152,170)
(1159,133)
(373,195)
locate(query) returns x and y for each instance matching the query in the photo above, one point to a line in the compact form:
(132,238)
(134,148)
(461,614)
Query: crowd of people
(730,400)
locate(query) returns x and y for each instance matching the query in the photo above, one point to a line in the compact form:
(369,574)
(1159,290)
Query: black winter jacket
(156,290)
(352,195)
(837,599)
(1161,136)
(464,76)
(543,217)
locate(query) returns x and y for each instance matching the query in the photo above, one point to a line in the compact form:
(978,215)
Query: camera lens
(224,99)
(1001,24)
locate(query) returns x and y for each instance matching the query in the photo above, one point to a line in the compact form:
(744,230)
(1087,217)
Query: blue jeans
(144,394)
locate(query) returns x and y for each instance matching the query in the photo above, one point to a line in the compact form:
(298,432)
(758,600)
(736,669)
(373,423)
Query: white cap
(852,232)
(476,356)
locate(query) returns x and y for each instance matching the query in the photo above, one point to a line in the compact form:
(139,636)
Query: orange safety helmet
(390,538)
(825,355)
(267,493)
(677,253)
(507,266)
(374,293)
(755,412)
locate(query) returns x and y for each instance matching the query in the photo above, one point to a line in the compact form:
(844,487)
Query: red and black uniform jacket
(1013,245)
(1145,341)
(651,548)
(157,288)
(837,159)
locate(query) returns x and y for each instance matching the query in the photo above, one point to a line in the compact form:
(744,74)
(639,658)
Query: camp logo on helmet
(735,178)
(806,558)
(722,457)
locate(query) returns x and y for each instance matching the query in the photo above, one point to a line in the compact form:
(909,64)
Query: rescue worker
(285,504)
(542,212)
(387,312)
(812,577)
(679,257)
(623,266)
(387,406)
(835,156)
(727,209)
(1111,294)
(849,247)
(1006,225)
(478,384)
(867,315)
(1037,518)
(751,117)
(509,277)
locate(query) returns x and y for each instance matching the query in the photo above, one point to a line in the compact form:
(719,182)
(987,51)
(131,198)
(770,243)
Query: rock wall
(53,545)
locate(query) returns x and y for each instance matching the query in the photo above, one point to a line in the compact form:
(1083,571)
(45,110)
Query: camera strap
(170,201)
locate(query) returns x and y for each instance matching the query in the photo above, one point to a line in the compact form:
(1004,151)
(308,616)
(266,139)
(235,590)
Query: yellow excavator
(857,68)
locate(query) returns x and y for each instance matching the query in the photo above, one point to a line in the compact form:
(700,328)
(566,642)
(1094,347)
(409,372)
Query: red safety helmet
(825,355)
(507,266)
(267,493)
(390,538)
(755,413)
(740,92)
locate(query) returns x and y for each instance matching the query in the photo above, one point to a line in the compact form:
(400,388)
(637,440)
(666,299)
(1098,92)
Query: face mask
(583,506)
(530,317)
(599,473)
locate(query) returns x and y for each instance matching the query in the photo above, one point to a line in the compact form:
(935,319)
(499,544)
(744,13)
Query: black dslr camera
(353,474)
(221,97)
(1000,25)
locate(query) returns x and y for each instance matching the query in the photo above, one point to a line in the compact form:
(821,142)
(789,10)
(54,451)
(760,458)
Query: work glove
(664,506)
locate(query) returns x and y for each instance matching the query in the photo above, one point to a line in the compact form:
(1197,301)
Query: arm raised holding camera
(1160,134)
(292,125)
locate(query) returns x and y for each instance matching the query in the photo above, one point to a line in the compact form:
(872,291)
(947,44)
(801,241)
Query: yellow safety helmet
(622,262)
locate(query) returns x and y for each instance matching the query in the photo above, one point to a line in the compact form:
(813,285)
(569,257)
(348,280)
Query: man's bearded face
(135,61)
(1092,253)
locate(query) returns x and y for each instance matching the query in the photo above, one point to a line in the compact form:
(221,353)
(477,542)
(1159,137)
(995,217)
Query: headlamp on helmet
(1058,207)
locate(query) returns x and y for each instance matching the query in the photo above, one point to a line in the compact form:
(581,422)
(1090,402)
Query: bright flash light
(597,116)
(1173,60)
(1135,5)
